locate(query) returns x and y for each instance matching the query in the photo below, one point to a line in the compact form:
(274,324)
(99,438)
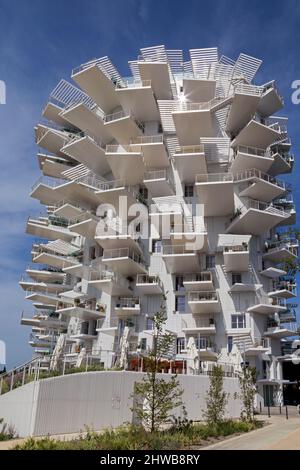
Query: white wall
(68,403)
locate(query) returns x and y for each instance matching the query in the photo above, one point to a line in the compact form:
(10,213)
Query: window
(156,246)
(149,324)
(143,193)
(236,278)
(143,344)
(229,343)
(179,284)
(180,345)
(189,190)
(238,321)
(180,303)
(92,252)
(210,261)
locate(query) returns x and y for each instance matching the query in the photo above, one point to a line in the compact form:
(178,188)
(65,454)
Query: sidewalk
(281,434)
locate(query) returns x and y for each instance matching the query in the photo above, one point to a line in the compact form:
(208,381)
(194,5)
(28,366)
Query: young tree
(216,397)
(157,396)
(247,381)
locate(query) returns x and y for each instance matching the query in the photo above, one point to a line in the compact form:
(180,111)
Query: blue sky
(41,41)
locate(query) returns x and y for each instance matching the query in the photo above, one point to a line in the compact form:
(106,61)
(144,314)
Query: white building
(195,151)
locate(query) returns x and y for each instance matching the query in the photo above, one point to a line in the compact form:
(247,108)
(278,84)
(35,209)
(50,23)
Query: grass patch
(136,438)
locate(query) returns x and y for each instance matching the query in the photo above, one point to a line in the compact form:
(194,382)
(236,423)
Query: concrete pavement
(280,434)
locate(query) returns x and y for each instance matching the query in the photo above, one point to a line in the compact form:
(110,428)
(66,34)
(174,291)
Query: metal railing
(117,115)
(246,89)
(121,149)
(265,206)
(147,139)
(176,250)
(214,178)
(253,173)
(203,296)
(49,181)
(134,83)
(122,253)
(258,152)
(204,276)
(198,323)
(187,149)
(236,248)
(148,279)
(128,302)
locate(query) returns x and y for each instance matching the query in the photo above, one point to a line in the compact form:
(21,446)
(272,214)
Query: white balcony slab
(158,73)
(86,151)
(255,134)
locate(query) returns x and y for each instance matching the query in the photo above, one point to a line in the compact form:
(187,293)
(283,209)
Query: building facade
(163,190)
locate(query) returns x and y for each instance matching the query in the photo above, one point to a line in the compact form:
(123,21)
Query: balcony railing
(252,151)
(176,250)
(186,149)
(196,296)
(128,302)
(121,149)
(147,139)
(122,253)
(148,279)
(49,181)
(264,206)
(198,323)
(248,89)
(204,276)
(279,286)
(214,178)
(134,83)
(253,173)
(236,248)
(261,342)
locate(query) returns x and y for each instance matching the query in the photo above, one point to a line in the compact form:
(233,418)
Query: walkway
(280,434)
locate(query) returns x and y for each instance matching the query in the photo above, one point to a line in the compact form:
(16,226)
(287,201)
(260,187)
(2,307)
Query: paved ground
(280,434)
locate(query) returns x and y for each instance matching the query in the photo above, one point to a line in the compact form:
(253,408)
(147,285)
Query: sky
(41,41)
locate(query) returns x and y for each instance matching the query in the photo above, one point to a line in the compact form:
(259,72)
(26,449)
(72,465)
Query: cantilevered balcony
(126,162)
(44,189)
(149,285)
(83,310)
(191,325)
(195,120)
(236,257)
(194,238)
(45,274)
(283,289)
(189,161)
(86,150)
(280,250)
(271,101)
(204,302)
(50,227)
(201,281)
(85,224)
(52,139)
(123,126)
(48,297)
(251,157)
(204,345)
(159,182)
(245,101)
(259,346)
(289,315)
(125,261)
(256,218)
(260,185)
(110,192)
(153,148)
(89,118)
(198,90)
(137,96)
(54,285)
(52,258)
(179,259)
(68,210)
(53,166)
(109,282)
(115,234)
(43,319)
(280,331)
(127,307)
(255,134)
(283,159)
(272,272)
(215,192)
(159,74)
(97,83)
(267,306)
